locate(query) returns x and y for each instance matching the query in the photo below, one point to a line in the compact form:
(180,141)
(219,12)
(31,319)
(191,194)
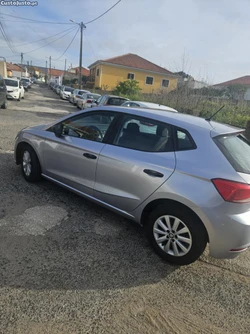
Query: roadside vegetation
(201,102)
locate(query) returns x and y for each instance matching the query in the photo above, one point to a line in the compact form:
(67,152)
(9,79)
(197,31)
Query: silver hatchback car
(183,178)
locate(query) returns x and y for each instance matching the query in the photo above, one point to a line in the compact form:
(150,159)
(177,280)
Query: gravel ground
(70,266)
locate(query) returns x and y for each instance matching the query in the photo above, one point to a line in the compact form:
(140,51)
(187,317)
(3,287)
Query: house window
(165,83)
(149,80)
(131,76)
(97,72)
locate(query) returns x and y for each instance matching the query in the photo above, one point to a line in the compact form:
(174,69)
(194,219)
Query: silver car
(183,178)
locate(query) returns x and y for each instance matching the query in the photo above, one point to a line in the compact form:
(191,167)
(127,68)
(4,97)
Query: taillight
(232,191)
(89,101)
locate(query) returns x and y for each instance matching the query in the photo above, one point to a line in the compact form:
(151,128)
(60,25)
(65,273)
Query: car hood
(36,127)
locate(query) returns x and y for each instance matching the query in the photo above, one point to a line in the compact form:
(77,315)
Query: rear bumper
(230,234)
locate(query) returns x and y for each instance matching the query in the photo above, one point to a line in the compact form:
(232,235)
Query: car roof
(153,105)
(189,122)
(117,97)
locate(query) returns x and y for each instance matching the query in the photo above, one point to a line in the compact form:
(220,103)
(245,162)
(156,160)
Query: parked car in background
(52,84)
(65,92)
(55,87)
(161,176)
(142,104)
(25,85)
(110,100)
(27,80)
(15,89)
(87,100)
(76,94)
(3,94)
(58,89)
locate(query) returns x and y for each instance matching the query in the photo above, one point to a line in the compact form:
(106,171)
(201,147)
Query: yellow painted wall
(110,76)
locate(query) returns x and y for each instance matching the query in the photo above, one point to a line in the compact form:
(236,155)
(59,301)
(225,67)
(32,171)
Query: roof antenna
(209,118)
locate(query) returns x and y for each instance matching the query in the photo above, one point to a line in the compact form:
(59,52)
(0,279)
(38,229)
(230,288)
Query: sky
(205,38)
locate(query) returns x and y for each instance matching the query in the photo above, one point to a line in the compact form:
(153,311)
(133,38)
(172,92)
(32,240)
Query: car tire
(5,105)
(30,164)
(163,229)
(19,98)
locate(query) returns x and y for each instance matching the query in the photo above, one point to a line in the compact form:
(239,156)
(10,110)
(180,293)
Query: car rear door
(72,158)
(138,162)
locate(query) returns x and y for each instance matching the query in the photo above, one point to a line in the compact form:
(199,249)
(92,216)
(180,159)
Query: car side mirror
(58,130)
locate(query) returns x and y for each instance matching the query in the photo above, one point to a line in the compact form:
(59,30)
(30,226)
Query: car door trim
(89,197)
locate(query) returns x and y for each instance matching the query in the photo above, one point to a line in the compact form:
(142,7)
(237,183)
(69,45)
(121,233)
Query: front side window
(149,80)
(165,83)
(131,76)
(143,134)
(90,126)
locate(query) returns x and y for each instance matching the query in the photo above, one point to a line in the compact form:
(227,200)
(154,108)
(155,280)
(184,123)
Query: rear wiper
(209,118)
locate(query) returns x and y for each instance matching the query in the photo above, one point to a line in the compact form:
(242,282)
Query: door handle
(89,156)
(153,173)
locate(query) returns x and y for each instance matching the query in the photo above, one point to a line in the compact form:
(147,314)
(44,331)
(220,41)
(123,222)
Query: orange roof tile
(238,81)
(135,61)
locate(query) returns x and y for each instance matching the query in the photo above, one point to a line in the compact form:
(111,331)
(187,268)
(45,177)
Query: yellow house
(106,74)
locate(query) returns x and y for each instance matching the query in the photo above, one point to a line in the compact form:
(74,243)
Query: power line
(68,45)
(35,21)
(5,36)
(86,37)
(27,23)
(103,13)
(45,38)
(52,41)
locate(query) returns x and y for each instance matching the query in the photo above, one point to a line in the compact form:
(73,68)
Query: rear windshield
(116,101)
(236,148)
(68,89)
(11,83)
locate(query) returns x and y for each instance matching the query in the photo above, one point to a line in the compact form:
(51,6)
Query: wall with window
(149,82)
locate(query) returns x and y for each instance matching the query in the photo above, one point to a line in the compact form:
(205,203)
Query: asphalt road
(70,266)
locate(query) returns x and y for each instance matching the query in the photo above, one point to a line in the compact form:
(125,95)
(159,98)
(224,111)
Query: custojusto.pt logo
(18,3)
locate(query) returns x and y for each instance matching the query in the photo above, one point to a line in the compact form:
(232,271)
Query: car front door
(138,162)
(72,157)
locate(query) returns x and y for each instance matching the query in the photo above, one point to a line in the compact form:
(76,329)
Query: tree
(127,87)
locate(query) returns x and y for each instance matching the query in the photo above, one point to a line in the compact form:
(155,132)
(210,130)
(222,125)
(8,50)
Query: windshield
(12,83)
(236,148)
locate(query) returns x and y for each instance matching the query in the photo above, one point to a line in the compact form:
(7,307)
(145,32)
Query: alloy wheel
(26,163)
(172,235)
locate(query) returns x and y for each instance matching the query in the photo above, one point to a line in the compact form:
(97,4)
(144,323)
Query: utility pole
(46,73)
(65,66)
(21,64)
(49,68)
(80,60)
(82,26)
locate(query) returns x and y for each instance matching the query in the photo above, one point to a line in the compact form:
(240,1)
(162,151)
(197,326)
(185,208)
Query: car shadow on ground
(89,248)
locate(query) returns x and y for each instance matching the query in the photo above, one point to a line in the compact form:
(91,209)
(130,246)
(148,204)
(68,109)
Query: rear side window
(184,141)
(114,101)
(236,148)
